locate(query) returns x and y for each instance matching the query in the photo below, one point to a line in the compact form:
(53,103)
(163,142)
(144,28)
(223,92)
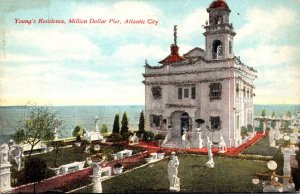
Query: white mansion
(211,84)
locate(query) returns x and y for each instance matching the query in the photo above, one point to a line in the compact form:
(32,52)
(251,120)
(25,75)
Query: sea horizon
(11,117)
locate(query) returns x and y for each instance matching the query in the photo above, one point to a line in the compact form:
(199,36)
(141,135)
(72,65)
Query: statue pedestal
(5,179)
(287,163)
(198,142)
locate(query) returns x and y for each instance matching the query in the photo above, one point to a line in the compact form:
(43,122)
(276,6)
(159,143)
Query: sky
(102,64)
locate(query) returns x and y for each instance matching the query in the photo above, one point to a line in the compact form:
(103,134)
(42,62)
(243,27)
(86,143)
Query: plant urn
(77,144)
(148,158)
(160,155)
(118,168)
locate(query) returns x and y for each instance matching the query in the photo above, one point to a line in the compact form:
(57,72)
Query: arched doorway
(185,123)
(180,120)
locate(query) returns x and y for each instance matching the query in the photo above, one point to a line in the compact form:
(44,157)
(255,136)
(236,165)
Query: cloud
(194,21)
(6,5)
(52,44)
(266,24)
(270,55)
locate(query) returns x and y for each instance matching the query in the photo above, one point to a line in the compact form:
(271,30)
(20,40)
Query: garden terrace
(229,175)
(68,155)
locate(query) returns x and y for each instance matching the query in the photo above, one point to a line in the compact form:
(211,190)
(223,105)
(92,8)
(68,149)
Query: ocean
(11,117)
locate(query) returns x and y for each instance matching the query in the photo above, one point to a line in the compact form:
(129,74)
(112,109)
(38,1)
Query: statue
(133,139)
(97,120)
(272,137)
(4,149)
(219,50)
(168,136)
(210,163)
(222,145)
(173,173)
(16,153)
(56,124)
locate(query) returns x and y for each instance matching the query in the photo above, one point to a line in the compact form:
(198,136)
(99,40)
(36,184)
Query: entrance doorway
(185,123)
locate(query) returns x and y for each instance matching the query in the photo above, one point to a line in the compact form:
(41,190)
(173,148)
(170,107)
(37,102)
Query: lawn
(229,175)
(262,148)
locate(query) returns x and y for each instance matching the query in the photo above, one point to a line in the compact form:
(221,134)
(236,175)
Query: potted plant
(118,168)
(148,158)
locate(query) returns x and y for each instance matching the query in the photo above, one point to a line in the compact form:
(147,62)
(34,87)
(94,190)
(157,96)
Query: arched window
(217,49)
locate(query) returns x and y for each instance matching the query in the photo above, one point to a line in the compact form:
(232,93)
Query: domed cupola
(218,4)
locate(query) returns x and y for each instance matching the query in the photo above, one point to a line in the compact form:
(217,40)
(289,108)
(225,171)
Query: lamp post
(272,185)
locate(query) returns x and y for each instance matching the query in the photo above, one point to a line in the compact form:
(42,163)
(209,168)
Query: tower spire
(175,34)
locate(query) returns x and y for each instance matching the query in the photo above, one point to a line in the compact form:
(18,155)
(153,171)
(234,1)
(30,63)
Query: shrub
(116,125)
(126,135)
(115,137)
(148,136)
(124,128)
(118,165)
(159,136)
(141,123)
(103,129)
(77,131)
(78,138)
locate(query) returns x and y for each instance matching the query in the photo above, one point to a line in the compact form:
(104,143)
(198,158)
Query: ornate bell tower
(219,32)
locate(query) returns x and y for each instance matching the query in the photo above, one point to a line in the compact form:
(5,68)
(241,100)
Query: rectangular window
(179,93)
(215,91)
(193,92)
(215,122)
(186,93)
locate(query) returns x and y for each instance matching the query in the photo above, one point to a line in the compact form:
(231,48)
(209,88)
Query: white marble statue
(184,139)
(5,174)
(15,153)
(168,136)
(133,139)
(222,145)
(173,173)
(210,163)
(272,137)
(4,149)
(97,121)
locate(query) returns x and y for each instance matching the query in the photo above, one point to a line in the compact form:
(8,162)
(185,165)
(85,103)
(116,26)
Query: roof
(218,4)
(174,56)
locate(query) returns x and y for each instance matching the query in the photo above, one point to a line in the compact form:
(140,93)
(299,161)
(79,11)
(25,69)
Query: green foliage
(57,145)
(116,125)
(103,129)
(244,130)
(39,125)
(77,131)
(273,123)
(142,123)
(289,114)
(249,127)
(124,127)
(78,138)
(115,137)
(35,169)
(263,113)
(148,136)
(159,136)
(126,135)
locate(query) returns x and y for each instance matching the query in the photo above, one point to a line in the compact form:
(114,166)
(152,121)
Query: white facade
(212,85)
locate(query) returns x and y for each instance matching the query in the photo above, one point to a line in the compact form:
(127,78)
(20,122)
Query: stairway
(173,143)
